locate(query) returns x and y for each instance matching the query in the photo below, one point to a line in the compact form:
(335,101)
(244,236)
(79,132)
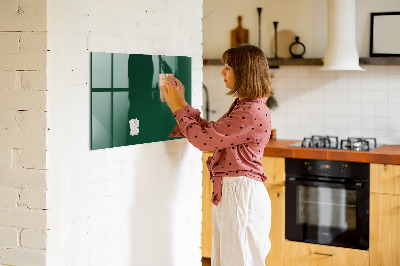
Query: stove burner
(328,142)
(332,142)
(358,144)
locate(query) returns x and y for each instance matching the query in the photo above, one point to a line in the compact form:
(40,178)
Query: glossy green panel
(120,71)
(139,114)
(101,70)
(101,120)
(120,118)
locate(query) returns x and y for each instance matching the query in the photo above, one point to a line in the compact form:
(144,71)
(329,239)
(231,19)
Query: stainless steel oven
(327,202)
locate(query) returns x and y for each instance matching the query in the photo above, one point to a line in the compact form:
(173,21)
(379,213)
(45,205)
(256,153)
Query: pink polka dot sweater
(238,139)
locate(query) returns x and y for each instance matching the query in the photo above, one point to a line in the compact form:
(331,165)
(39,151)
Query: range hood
(341,51)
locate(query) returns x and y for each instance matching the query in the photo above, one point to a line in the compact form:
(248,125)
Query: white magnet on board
(134,126)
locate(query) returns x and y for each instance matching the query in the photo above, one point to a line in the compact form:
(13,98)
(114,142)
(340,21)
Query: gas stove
(332,142)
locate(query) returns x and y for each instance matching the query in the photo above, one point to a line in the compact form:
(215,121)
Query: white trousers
(241,223)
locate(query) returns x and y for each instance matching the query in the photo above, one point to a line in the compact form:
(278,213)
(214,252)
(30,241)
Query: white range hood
(341,51)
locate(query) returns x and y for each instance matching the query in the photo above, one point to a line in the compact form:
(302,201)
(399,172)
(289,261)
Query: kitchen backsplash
(314,102)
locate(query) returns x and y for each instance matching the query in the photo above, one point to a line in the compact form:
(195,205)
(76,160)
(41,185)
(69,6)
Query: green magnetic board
(127,106)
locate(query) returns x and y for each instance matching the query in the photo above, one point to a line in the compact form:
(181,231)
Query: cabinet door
(385,178)
(304,254)
(274,168)
(206,232)
(384,230)
(277,233)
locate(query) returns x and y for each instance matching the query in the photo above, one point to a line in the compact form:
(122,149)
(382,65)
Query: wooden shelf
(212,62)
(380,61)
(294,62)
(273,63)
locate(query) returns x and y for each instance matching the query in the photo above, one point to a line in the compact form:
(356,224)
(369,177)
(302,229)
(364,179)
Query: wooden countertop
(389,154)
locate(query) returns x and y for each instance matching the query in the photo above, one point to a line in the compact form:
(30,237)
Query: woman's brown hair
(250,66)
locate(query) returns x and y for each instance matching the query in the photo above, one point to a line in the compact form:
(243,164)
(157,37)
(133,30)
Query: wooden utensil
(239,35)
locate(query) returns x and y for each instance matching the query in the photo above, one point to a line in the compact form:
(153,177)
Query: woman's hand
(181,90)
(172,96)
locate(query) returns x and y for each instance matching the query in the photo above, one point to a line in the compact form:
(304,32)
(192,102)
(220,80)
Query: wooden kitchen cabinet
(384,236)
(305,254)
(385,215)
(277,233)
(206,225)
(274,168)
(385,178)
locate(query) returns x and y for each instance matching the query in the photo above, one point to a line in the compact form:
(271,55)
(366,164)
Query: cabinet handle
(324,254)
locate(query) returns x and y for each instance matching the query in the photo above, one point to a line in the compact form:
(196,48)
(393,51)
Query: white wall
(306,19)
(135,205)
(343,104)
(311,102)
(23,133)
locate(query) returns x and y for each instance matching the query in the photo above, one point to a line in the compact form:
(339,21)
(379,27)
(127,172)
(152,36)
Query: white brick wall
(135,205)
(23,218)
(33,239)
(11,256)
(9,237)
(8,197)
(108,207)
(23,178)
(23,132)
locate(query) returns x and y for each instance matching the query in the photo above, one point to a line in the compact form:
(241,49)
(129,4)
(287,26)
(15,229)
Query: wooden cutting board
(239,35)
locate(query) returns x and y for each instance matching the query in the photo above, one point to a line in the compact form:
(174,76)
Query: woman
(242,208)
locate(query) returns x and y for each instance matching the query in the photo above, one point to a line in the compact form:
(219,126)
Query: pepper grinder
(276,38)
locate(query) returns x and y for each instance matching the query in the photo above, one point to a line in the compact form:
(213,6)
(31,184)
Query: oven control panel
(325,167)
(337,169)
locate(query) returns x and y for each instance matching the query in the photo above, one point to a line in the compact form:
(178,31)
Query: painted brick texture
(135,205)
(33,239)
(23,132)
(9,237)
(108,207)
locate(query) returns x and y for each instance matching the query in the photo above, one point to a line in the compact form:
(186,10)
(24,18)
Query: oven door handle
(352,185)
